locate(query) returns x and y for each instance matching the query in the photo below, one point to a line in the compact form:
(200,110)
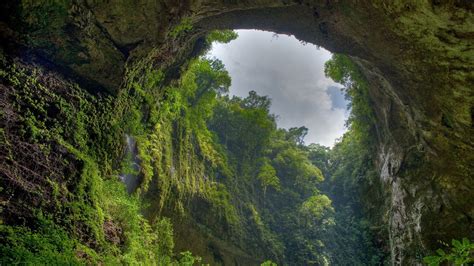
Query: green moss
(222,204)
(91,218)
(42,16)
(185,156)
(42,20)
(172,138)
(182,27)
(47,244)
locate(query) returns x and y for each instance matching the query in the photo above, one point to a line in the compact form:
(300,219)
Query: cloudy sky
(292,75)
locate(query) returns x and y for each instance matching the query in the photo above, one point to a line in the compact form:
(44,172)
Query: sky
(291,73)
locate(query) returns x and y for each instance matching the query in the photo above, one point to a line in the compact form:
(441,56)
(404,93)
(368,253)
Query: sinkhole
(327,133)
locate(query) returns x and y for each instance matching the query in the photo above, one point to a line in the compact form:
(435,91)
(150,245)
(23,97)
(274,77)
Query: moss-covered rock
(417,56)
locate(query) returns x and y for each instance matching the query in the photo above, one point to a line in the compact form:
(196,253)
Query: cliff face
(418,58)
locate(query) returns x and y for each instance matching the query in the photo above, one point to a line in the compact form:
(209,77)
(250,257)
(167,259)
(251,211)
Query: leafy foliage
(461,253)
(316,206)
(268,263)
(297,134)
(182,27)
(47,244)
(69,139)
(195,146)
(343,70)
(180,148)
(349,171)
(351,180)
(267,176)
(187,259)
(262,156)
(221,36)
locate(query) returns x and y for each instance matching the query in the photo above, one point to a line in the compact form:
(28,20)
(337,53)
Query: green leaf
(432,260)
(456,243)
(441,252)
(465,242)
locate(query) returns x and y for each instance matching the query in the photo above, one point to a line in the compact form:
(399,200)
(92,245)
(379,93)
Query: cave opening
(78,76)
(296,95)
(291,74)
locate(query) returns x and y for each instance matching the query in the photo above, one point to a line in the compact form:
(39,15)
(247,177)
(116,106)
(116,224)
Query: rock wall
(418,57)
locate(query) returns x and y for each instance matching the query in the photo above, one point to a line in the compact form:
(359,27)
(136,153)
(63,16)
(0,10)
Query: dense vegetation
(196,147)
(218,161)
(266,188)
(62,200)
(265,185)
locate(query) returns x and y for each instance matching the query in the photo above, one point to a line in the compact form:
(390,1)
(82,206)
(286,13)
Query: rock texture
(418,57)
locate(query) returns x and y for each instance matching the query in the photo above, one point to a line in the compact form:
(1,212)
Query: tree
(317,206)
(244,128)
(297,134)
(319,156)
(210,77)
(267,176)
(221,36)
(255,101)
(342,69)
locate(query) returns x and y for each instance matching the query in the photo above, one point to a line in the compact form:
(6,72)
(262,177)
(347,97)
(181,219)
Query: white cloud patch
(292,74)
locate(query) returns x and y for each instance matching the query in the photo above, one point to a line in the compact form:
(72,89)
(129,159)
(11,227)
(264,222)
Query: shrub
(461,253)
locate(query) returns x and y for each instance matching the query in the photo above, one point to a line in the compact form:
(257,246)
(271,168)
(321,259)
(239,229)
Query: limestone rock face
(418,57)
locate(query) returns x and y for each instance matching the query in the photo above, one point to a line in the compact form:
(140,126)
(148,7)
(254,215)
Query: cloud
(337,97)
(292,74)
